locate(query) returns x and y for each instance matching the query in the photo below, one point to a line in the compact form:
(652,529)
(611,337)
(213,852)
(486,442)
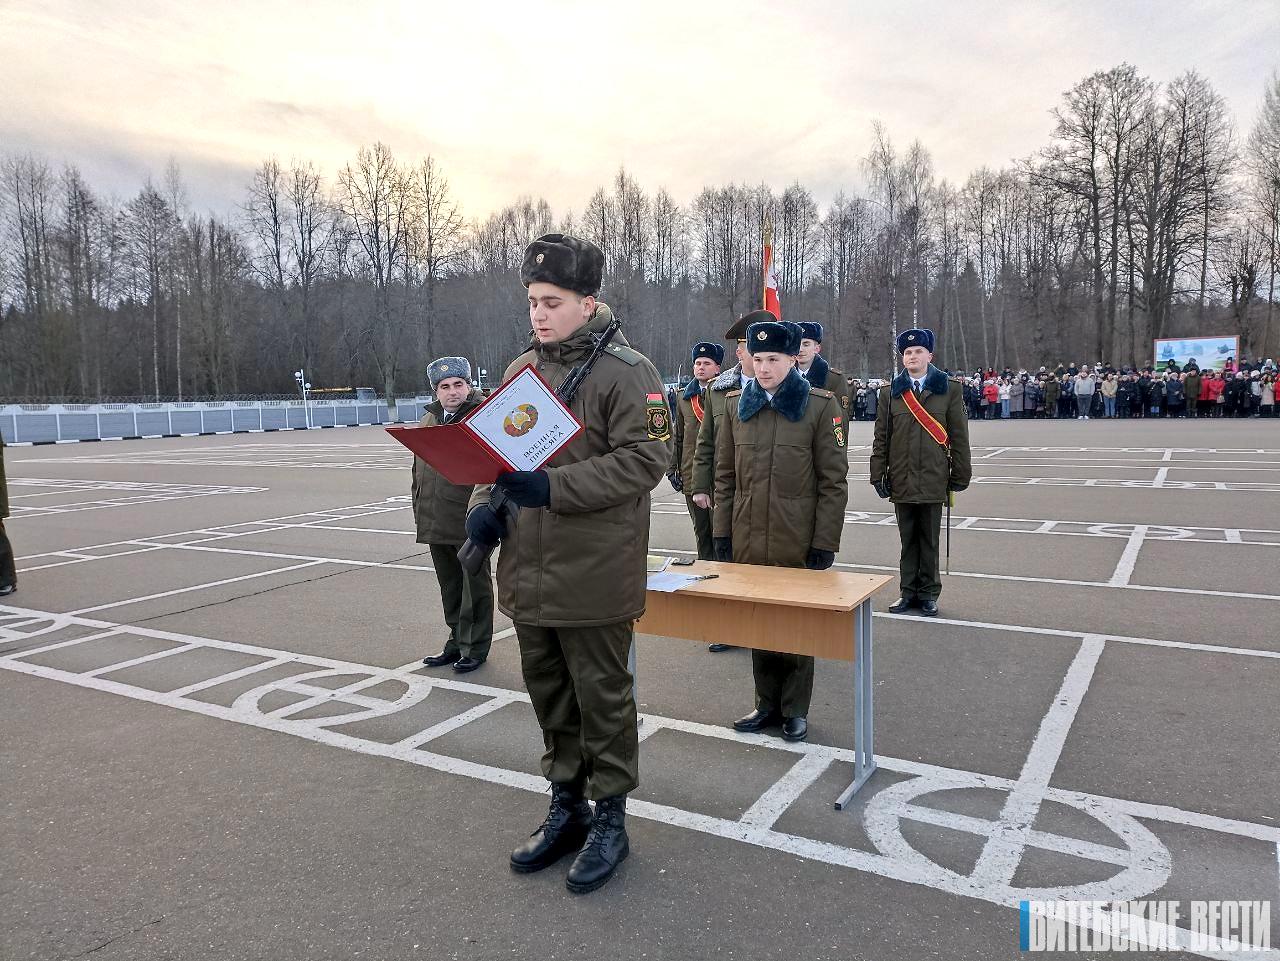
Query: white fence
(51,423)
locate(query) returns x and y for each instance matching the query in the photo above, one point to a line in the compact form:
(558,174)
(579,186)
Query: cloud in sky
(548,99)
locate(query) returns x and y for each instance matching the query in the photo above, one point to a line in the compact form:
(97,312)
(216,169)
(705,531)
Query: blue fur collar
(730,379)
(935,382)
(691,389)
(818,370)
(790,399)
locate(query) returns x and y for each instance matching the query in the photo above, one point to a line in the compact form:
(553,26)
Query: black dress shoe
(795,729)
(757,720)
(465,665)
(606,847)
(441,659)
(7,589)
(929,608)
(717,648)
(902,604)
(565,829)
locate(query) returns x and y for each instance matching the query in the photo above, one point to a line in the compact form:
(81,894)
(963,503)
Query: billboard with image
(1209,353)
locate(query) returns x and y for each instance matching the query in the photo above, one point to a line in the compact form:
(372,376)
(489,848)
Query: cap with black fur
(916,337)
(773,336)
(569,262)
(811,330)
(707,349)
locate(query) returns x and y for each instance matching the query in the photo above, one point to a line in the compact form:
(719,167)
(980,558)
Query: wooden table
(821,613)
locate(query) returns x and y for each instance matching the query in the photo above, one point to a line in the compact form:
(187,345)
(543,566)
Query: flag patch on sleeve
(657,417)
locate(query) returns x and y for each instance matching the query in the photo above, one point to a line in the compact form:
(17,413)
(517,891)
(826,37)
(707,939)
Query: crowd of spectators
(1087,391)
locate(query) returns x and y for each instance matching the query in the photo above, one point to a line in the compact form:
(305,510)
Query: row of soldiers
(760,451)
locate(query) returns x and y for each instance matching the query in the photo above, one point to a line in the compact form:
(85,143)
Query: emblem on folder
(521,420)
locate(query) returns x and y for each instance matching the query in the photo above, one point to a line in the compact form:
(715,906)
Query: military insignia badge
(838,430)
(540,258)
(844,400)
(762,336)
(657,417)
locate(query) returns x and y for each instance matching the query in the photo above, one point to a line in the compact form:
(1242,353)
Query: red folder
(458,453)
(454,451)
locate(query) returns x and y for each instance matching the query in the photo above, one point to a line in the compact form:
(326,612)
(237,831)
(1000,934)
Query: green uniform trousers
(701,529)
(582,692)
(468,603)
(918,529)
(784,682)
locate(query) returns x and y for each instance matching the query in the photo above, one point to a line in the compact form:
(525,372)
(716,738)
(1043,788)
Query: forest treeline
(1144,215)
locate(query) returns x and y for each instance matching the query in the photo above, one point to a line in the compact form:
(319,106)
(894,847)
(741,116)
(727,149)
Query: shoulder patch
(657,417)
(627,355)
(838,430)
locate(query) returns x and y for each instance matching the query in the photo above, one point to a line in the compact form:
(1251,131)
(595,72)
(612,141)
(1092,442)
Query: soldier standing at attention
(690,410)
(8,568)
(571,573)
(919,457)
(440,509)
(704,458)
(818,372)
(781,490)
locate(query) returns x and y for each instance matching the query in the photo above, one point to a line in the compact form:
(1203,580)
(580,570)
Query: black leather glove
(819,560)
(882,486)
(723,547)
(528,488)
(677,484)
(484,526)
(956,488)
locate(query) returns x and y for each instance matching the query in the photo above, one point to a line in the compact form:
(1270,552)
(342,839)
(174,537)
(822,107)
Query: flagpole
(767,245)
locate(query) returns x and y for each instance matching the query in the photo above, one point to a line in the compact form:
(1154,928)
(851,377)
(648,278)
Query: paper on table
(656,563)
(668,582)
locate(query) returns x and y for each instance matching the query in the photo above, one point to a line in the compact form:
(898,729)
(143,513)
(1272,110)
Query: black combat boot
(563,832)
(607,846)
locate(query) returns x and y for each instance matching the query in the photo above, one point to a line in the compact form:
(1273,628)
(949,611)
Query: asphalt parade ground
(219,741)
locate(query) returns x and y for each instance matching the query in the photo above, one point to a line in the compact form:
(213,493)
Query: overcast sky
(549,98)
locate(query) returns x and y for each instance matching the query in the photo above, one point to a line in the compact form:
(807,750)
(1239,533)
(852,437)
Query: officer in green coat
(572,570)
(8,568)
(919,457)
(781,490)
(704,458)
(818,372)
(440,510)
(690,411)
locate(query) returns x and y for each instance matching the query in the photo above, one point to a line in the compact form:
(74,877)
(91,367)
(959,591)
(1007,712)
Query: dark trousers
(1192,402)
(583,694)
(468,603)
(784,682)
(919,526)
(701,529)
(8,568)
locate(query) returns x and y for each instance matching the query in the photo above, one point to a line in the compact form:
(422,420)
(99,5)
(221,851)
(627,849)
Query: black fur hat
(773,336)
(707,349)
(569,262)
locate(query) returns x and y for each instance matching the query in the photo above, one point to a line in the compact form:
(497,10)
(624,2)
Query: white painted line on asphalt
(1128,559)
(784,792)
(19,655)
(459,720)
(1162,474)
(509,632)
(1003,852)
(144,659)
(195,587)
(231,676)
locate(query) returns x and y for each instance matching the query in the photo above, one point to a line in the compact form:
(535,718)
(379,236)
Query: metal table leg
(864,764)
